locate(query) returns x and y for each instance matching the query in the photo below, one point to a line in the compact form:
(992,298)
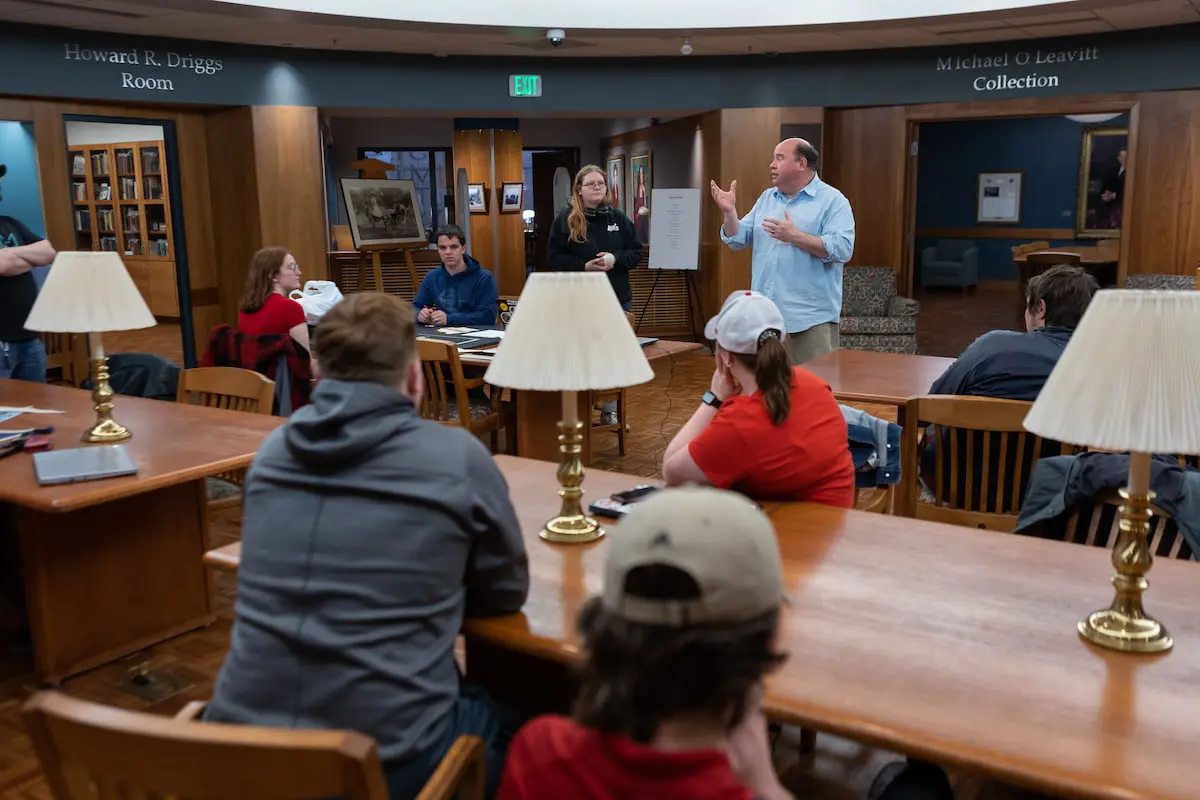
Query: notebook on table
(82,464)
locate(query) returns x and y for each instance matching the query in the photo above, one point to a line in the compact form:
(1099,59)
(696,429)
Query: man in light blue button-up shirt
(802,231)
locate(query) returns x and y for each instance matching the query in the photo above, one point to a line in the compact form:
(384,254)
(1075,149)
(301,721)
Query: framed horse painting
(383,212)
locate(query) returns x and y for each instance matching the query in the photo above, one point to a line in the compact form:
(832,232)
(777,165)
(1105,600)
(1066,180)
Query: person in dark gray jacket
(368,535)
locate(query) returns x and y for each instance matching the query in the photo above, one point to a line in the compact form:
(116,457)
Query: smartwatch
(711,399)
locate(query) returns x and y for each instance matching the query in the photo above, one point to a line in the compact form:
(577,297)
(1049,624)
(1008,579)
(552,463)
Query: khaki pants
(816,341)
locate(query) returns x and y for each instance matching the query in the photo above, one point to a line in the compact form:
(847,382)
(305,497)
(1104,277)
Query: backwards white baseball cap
(745,321)
(718,538)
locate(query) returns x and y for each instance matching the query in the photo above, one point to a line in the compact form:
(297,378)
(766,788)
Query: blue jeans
(23,361)
(475,714)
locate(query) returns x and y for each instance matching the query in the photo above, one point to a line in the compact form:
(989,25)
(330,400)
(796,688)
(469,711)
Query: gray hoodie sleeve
(497,576)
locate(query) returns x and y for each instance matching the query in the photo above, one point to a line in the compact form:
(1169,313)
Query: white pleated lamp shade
(1129,378)
(87,292)
(568,333)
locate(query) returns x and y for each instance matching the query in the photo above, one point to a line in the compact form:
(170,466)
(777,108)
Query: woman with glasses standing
(591,235)
(266,308)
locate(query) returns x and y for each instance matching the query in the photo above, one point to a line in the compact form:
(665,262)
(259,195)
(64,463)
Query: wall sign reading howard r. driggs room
(145,58)
(1028,79)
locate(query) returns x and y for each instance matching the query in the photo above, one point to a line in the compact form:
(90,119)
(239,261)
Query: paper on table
(490,334)
(456,331)
(8,412)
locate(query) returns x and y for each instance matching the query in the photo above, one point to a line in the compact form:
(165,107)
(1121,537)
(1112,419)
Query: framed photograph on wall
(383,211)
(1101,183)
(641,181)
(998,198)
(512,198)
(616,180)
(477,198)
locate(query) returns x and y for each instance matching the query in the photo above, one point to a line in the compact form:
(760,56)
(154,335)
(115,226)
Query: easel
(373,254)
(693,294)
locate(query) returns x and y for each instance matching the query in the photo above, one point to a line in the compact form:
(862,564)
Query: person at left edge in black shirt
(22,354)
(590,235)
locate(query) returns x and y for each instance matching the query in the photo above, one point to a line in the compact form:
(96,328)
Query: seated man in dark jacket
(459,292)
(1012,365)
(368,535)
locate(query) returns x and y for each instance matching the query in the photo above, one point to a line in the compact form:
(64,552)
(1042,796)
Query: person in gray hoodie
(368,535)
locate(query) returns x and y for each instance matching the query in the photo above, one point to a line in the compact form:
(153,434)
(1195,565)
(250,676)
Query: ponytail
(773,374)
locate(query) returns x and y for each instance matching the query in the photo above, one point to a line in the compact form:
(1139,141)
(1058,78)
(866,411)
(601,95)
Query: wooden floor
(183,669)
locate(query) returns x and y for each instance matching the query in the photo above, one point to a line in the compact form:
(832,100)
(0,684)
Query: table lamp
(1128,380)
(90,293)
(569,334)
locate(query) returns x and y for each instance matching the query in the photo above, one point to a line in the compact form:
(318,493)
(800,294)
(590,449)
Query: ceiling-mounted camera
(556,36)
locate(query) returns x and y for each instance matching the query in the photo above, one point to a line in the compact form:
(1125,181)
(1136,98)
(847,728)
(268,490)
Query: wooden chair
(101,753)
(1198,278)
(233,389)
(1030,247)
(1096,523)
(982,461)
(447,401)
(67,353)
(876,500)
(618,396)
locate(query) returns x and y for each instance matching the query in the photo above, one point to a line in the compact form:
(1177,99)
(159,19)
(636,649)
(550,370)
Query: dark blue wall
(952,154)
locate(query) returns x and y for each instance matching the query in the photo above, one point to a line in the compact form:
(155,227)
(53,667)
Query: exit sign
(524,85)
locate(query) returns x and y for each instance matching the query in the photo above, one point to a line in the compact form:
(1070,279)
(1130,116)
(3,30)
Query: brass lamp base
(571,525)
(1124,625)
(106,428)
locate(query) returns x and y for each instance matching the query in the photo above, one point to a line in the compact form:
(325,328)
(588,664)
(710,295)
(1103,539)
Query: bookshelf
(121,202)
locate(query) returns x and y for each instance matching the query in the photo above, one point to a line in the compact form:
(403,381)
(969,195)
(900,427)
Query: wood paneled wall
(493,157)
(1162,233)
(194,189)
(865,154)
(737,145)
(266,175)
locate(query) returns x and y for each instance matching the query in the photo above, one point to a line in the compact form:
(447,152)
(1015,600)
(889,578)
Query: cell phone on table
(634,494)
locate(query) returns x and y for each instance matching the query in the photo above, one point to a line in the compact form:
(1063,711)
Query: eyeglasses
(594,185)
(293,267)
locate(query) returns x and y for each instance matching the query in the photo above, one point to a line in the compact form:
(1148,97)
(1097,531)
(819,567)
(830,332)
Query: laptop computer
(82,464)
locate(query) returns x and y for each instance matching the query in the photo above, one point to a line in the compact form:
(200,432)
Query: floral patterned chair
(1160,281)
(874,317)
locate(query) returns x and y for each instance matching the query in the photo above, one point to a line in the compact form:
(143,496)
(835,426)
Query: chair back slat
(92,751)
(227,387)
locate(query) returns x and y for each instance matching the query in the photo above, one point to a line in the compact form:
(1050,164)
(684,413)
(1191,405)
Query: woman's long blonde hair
(576,221)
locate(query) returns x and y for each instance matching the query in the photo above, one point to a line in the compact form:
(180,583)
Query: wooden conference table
(538,413)
(112,566)
(943,642)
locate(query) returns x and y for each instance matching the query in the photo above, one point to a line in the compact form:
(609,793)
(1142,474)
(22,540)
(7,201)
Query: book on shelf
(79,189)
(150,160)
(99,164)
(133,246)
(104,220)
(159,247)
(153,188)
(78,165)
(125,164)
(132,219)
(103,191)
(83,220)
(128,188)
(108,243)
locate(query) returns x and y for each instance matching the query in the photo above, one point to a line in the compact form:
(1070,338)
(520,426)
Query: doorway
(547,191)
(125,195)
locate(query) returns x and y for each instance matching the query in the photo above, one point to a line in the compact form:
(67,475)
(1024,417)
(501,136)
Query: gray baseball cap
(744,322)
(721,539)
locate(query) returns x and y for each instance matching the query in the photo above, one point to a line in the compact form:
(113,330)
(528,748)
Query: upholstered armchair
(951,262)
(1161,281)
(873,316)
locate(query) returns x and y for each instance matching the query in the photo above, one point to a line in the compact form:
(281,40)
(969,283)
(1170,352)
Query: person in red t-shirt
(765,428)
(670,704)
(266,309)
